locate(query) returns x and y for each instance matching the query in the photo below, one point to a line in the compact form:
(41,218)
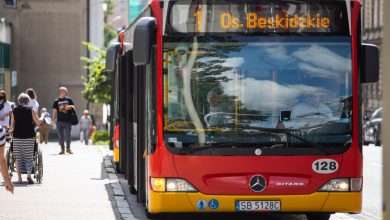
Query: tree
(109,32)
(98,81)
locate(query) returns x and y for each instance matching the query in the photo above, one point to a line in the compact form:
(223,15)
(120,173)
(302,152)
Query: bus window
(241,83)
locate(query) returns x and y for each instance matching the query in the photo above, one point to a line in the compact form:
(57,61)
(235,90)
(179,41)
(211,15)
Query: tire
(39,167)
(151,215)
(35,166)
(117,169)
(318,216)
(133,191)
(377,142)
(10,164)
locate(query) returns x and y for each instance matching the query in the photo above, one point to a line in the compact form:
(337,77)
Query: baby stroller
(37,170)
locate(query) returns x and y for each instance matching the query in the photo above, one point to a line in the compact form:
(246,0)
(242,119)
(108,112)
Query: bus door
(139,134)
(144,59)
(125,67)
(133,186)
(128,119)
(112,55)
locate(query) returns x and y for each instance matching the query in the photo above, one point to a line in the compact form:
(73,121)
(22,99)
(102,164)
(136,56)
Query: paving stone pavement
(74,187)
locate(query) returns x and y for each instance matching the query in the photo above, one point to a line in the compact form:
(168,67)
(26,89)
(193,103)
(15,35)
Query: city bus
(246,106)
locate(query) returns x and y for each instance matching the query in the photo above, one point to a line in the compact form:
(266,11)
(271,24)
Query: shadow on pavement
(109,190)
(231,216)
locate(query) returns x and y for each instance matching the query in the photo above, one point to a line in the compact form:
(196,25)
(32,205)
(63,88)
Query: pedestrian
(62,108)
(44,126)
(23,122)
(85,126)
(3,164)
(33,99)
(5,110)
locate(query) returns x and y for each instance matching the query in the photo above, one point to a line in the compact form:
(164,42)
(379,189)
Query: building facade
(5,56)
(373,33)
(47,36)
(47,45)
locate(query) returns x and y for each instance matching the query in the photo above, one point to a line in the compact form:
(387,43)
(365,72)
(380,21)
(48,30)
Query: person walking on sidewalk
(33,99)
(85,126)
(23,121)
(62,108)
(5,110)
(3,164)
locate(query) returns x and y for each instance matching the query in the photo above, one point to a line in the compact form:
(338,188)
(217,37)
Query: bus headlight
(158,184)
(179,185)
(336,185)
(342,185)
(171,185)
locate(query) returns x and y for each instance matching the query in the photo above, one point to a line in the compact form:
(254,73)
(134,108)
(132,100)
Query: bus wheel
(377,142)
(117,170)
(318,216)
(151,215)
(132,190)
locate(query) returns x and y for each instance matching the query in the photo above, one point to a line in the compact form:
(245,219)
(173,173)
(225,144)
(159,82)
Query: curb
(119,196)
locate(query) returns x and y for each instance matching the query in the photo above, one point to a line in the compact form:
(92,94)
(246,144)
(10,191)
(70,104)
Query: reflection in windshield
(219,84)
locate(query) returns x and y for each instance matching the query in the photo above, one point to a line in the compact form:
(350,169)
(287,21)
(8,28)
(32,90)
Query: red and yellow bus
(246,106)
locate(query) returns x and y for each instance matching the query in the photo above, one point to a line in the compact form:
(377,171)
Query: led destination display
(257,17)
(252,20)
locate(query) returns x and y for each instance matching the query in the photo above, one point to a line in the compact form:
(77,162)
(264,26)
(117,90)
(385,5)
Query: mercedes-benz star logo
(257,183)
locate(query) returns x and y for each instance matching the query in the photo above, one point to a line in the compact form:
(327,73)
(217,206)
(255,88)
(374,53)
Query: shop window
(10,3)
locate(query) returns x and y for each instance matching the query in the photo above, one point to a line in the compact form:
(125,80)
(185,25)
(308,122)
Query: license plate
(265,205)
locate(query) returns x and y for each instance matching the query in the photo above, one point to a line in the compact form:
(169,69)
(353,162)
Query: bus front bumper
(172,202)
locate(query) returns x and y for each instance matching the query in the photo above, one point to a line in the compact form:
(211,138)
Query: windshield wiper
(192,148)
(289,133)
(313,144)
(197,147)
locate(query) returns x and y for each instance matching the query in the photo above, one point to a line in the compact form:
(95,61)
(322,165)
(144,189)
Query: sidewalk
(74,187)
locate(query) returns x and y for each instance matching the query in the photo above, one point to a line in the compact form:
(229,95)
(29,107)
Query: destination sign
(257,17)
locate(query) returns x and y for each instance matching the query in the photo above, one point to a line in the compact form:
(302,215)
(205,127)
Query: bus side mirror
(111,56)
(370,63)
(144,39)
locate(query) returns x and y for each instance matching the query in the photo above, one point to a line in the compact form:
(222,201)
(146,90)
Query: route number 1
(198,16)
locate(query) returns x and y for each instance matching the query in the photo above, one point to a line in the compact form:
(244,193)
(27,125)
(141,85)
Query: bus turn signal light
(171,185)
(343,185)
(158,184)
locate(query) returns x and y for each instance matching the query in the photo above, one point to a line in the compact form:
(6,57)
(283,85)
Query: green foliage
(109,34)
(110,9)
(100,137)
(98,82)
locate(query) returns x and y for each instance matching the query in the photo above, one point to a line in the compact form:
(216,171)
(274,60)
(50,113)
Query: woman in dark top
(23,122)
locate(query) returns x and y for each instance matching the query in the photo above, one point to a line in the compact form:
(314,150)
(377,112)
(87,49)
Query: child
(44,126)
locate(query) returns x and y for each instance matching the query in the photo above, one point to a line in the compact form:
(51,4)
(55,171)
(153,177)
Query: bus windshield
(269,92)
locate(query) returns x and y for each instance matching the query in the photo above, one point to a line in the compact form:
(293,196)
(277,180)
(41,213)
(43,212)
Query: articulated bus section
(242,107)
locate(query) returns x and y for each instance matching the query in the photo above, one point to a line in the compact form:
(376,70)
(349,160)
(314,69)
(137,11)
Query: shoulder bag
(73,117)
